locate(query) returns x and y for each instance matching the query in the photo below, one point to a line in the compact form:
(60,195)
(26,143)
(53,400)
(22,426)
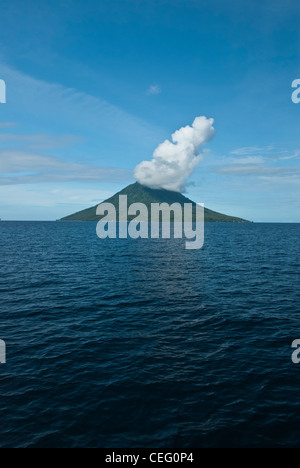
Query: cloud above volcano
(174,161)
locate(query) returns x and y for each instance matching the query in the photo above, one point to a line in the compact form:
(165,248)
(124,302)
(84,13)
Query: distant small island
(138,193)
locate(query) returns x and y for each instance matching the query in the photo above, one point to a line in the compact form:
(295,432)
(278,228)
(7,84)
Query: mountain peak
(138,193)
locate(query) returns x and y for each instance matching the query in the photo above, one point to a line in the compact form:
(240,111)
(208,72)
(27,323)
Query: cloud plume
(174,161)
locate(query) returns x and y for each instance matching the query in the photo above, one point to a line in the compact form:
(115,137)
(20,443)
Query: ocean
(141,343)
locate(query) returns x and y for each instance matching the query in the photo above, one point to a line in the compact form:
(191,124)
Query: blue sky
(94,87)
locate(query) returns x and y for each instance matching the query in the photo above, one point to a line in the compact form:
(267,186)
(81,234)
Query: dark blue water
(141,343)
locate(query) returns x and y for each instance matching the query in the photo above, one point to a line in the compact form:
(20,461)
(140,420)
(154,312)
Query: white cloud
(295,155)
(247,160)
(7,124)
(248,150)
(22,167)
(261,166)
(64,106)
(32,201)
(39,141)
(34,195)
(154,89)
(173,162)
(259,170)
(267,152)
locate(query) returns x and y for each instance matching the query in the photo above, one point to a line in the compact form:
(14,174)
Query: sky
(93,88)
